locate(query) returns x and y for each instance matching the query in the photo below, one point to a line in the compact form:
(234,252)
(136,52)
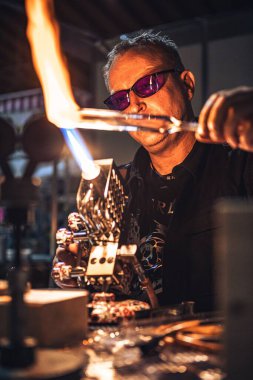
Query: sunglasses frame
(132,88)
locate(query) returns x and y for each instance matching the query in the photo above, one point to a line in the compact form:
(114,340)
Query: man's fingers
(205,139)
(230,128)
(211,120)
(202,131)
(224,118)
(216,118)
(245,135)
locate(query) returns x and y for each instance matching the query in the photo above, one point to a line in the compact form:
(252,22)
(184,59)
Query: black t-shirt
(180,245)
(161,193)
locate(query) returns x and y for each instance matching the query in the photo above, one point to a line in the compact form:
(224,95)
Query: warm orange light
(51,68)
(61,108)
(50,65)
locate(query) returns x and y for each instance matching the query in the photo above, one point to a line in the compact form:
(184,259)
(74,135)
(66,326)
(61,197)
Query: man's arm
(227,116)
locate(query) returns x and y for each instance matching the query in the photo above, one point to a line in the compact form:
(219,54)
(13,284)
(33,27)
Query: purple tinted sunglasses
(143,87)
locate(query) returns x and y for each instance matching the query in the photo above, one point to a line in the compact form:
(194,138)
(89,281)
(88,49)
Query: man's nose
(137,105)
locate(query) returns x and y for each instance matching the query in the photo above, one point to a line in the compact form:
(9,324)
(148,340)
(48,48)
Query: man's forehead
(134,63)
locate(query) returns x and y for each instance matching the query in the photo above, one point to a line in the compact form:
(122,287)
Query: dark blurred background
(37,172)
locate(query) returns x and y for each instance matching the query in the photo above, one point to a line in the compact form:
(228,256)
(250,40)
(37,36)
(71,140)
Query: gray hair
(143,40)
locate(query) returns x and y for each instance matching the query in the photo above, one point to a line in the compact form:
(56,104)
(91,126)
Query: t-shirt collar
(194,160)
(192,163)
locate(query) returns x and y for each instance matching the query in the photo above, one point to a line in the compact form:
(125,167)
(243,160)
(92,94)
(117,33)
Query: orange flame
(51,68)
(50,65)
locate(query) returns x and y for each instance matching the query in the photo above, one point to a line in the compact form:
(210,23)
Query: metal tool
(114,121)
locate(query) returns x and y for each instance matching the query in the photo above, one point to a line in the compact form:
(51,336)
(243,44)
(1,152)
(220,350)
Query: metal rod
(119,122)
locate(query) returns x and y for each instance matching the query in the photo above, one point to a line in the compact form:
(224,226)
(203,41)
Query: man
(173,180)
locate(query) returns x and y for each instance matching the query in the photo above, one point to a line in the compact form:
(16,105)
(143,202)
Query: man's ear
(189,82)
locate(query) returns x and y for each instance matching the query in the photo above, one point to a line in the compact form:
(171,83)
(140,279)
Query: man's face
(173,99)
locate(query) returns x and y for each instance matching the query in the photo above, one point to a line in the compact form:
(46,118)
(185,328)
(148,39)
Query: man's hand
(227,116)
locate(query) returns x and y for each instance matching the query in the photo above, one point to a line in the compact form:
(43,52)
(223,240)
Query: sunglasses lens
(143,88)
(149,85)
(118,101)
